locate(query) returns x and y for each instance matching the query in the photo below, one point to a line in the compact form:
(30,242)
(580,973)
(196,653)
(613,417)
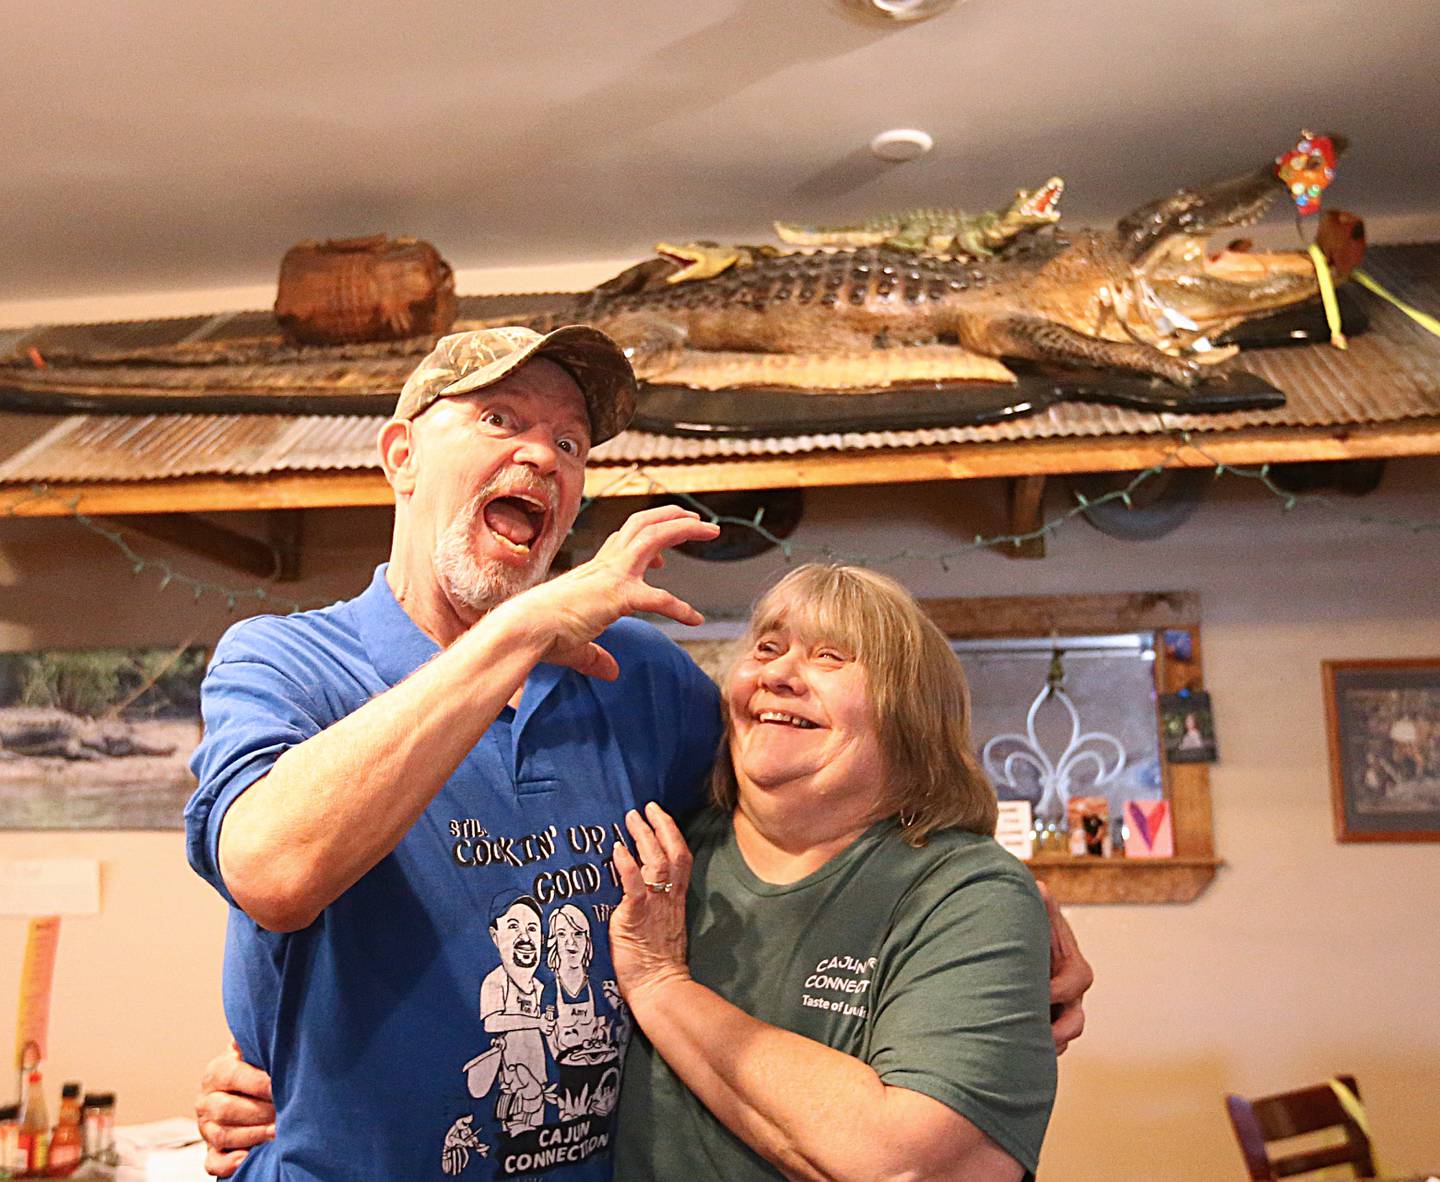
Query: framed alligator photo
(98,738)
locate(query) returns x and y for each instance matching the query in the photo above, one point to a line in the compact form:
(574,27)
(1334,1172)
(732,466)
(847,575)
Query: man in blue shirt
(398,791)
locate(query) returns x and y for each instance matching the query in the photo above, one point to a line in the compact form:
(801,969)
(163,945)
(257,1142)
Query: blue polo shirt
(453,1014)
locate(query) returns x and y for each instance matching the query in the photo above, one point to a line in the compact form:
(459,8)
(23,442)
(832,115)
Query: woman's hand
(647,930)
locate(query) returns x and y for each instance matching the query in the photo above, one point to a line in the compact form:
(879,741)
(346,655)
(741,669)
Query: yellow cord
(1327,296)
(1423,319)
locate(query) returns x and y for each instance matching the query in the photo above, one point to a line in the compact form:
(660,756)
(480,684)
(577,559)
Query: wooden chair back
(1292,1114)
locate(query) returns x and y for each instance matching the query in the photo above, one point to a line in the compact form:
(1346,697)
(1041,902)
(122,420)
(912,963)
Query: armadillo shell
(353,290)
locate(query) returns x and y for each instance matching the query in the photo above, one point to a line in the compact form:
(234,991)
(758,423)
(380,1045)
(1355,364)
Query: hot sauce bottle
(34,1126)
(10,1163)
(66,1141)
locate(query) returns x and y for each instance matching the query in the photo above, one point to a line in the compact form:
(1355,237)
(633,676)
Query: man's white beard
(481,585)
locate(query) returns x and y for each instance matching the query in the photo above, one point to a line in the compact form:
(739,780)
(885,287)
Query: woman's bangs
(819,606)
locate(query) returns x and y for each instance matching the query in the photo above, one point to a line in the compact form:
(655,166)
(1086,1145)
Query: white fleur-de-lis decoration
(1005,755)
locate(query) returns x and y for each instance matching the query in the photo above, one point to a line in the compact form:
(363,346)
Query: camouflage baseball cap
(466,361)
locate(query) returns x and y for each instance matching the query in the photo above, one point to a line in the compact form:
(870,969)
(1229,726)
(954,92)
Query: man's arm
(332,806)
(1070,977)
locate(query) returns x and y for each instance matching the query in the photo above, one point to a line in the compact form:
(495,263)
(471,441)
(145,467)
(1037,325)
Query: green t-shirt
(932,965)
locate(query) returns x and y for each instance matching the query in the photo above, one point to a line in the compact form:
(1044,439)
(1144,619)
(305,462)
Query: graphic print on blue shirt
(550,1072)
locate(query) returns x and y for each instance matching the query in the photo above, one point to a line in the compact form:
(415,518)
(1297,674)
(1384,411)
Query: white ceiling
(168,144)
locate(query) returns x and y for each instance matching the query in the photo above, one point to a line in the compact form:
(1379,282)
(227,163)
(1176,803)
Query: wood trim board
(316,490)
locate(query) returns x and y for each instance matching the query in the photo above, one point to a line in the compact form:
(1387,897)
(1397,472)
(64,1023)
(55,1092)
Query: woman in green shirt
(848,978)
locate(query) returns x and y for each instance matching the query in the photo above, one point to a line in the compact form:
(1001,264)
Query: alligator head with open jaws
(1203,292)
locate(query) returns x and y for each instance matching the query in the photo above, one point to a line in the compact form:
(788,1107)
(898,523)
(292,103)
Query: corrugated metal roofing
(1390,374)
(154,447)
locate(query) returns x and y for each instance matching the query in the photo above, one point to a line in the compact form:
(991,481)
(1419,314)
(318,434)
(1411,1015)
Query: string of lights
(265,596)
(1126,493)
(170,575)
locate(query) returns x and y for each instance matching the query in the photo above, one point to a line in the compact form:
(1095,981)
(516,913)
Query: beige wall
(1302,959)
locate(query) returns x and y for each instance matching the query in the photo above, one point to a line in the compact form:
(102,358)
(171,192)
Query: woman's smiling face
(848,695)
(802,718)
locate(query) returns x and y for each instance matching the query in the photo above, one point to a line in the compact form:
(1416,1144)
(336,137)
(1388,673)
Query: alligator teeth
(787,719)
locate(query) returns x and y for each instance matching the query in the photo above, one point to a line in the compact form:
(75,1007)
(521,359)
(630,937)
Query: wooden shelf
(1125,880)
(1032,457)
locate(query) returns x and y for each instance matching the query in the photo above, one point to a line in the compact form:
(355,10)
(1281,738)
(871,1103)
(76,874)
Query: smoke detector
(901,10)
(902,143)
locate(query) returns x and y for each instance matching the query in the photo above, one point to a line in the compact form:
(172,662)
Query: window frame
(1182,878)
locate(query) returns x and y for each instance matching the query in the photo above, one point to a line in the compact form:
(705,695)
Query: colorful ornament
(1307,170)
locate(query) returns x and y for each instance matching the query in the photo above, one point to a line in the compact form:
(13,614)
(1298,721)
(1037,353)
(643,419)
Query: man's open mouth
(517,519)
(780,718)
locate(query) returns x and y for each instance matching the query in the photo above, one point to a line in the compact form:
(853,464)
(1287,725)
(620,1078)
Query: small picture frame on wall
(1189,726)
(1384,726)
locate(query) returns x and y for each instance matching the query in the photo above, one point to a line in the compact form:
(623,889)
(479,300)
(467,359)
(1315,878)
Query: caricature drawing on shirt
(583,1043)
(510,1008)
(568,955)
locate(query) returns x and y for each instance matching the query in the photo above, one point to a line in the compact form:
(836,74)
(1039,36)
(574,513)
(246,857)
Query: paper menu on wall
(49,886)
(1014,828)
(37,974)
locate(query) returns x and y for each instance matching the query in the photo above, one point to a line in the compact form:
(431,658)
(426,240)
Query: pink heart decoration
(1142,821)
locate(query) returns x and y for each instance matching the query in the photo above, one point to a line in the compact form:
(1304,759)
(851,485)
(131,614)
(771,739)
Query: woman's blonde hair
(918,694)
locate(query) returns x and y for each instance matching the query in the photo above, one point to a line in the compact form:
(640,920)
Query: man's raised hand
(569,611)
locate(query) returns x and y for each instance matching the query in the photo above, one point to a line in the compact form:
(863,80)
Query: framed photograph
(1189,725)
(98,738)
(1384,724)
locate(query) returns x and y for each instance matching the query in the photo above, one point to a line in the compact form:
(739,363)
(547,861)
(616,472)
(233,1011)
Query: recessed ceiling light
(902,10)
(902,143)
